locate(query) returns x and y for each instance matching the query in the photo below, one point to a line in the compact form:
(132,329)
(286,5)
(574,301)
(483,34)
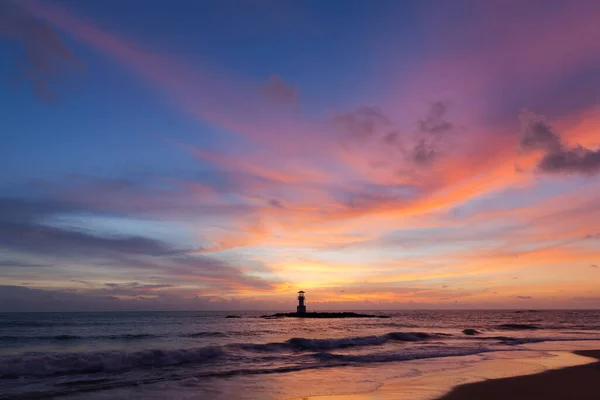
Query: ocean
(205,355)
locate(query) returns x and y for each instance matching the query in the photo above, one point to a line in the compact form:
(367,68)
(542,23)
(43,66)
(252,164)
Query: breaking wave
(118,362)
(77,337)
(107,361)
(340,343)
(115,361)
(330,344)
(396,356)
(271,356)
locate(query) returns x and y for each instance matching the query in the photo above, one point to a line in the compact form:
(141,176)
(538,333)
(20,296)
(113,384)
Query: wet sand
(560,375)
(577,383)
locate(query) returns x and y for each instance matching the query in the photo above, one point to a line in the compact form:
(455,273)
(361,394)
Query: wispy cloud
(30,235)
(33,237)
(46,57)
(278,90)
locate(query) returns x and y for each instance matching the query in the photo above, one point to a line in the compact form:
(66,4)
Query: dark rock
(233,316)
(324,315)
(471,332)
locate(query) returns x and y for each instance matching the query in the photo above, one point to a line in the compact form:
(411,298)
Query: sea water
(205,355)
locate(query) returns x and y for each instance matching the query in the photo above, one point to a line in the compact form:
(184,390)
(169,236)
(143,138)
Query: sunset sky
(221,154)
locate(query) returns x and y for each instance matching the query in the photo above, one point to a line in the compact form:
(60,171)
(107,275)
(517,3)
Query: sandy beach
(499,379)
(576,383)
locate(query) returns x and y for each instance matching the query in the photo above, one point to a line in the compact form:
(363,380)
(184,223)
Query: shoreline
(564,374)
(577,383)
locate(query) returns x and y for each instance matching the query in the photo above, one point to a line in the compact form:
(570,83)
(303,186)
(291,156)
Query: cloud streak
(32,237)
(45,57)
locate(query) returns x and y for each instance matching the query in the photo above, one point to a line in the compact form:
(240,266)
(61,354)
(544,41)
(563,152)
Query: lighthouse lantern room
(301,308)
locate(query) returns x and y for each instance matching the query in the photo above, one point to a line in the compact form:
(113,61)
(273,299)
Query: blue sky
(195,155)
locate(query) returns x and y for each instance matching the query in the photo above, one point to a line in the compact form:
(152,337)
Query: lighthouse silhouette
(301,308)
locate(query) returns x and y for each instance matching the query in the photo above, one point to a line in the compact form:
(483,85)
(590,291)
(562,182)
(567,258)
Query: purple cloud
(435,121)
(364,122)
(557,157)
(278,90)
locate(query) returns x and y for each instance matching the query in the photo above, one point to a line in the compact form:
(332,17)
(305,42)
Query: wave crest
(109,361)
(516,327)
(127,336)
(205,334)
(308,344)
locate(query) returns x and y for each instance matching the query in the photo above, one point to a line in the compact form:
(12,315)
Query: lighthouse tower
(301,308)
